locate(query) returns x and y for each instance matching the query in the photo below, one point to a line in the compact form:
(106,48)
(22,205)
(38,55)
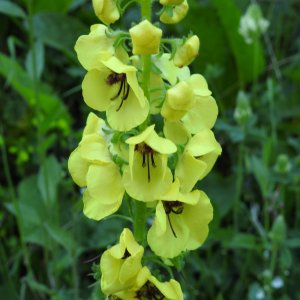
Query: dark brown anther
(149,292)
(124,88)
(147,154)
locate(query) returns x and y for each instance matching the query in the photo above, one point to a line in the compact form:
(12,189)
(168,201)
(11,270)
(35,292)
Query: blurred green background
(250,56)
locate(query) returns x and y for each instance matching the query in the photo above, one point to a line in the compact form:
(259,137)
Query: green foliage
(48,247)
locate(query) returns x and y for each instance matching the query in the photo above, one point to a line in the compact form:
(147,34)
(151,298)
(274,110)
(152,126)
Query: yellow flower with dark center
(114,88)
(147,175)
(148,287)
(181,222)
(91,166)
(106,11)
(121,264)
(198,158)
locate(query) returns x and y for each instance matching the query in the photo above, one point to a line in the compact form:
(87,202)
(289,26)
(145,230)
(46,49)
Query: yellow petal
(130,115)
(104,183)
(138,187)
(93,124)
(202,115)
(106,11)
(94,47)
(189,170)
(176,132)
(96,92)
(94,209)
(78,168)
(197,219)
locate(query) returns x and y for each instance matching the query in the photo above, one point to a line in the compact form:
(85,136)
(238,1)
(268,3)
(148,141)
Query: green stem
(139,221)
(239,183)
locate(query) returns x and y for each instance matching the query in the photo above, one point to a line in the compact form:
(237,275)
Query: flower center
(148,154)
(126,254)
(175,207)
(124,88)
(149,292)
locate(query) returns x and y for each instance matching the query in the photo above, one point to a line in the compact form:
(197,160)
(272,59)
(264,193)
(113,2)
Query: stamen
(124,88)
(152,161)
(168,215)
(175,207)
(150,292)
(119,91)
(147,154)
(148,166)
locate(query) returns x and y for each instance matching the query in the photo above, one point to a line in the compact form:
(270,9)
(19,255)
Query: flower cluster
(155,144)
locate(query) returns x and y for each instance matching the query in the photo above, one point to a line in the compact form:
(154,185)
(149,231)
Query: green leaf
(261,173)
(39,61)
(58,31)
(278,232)
(242,241)
(62,237)
(54,113)
(37,286)
(31,211)
(249,58)
(49,176)
(11,9)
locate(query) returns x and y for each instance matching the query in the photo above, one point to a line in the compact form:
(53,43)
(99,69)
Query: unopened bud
(243,111)
(283,165)
(177,13)
(179,100)
(106,11)
(145,38)
(186,53)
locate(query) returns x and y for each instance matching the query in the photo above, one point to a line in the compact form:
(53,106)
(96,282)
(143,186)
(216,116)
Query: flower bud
(176,15)
(243,111)
(145,38)
(283,164)
(186,53)
(179,99)
(106,11)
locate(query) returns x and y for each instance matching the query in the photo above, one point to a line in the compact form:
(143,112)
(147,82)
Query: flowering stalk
(141,90)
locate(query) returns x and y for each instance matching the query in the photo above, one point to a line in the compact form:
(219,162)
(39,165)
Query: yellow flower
(186,53)
(145,38)
(91,49)
(181,222)
(90,165)
(198,158)
(121,264)
(201,115)
(106,11)
(150,288)
(179,99)
(147,175)
(178,13)
(114,88)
